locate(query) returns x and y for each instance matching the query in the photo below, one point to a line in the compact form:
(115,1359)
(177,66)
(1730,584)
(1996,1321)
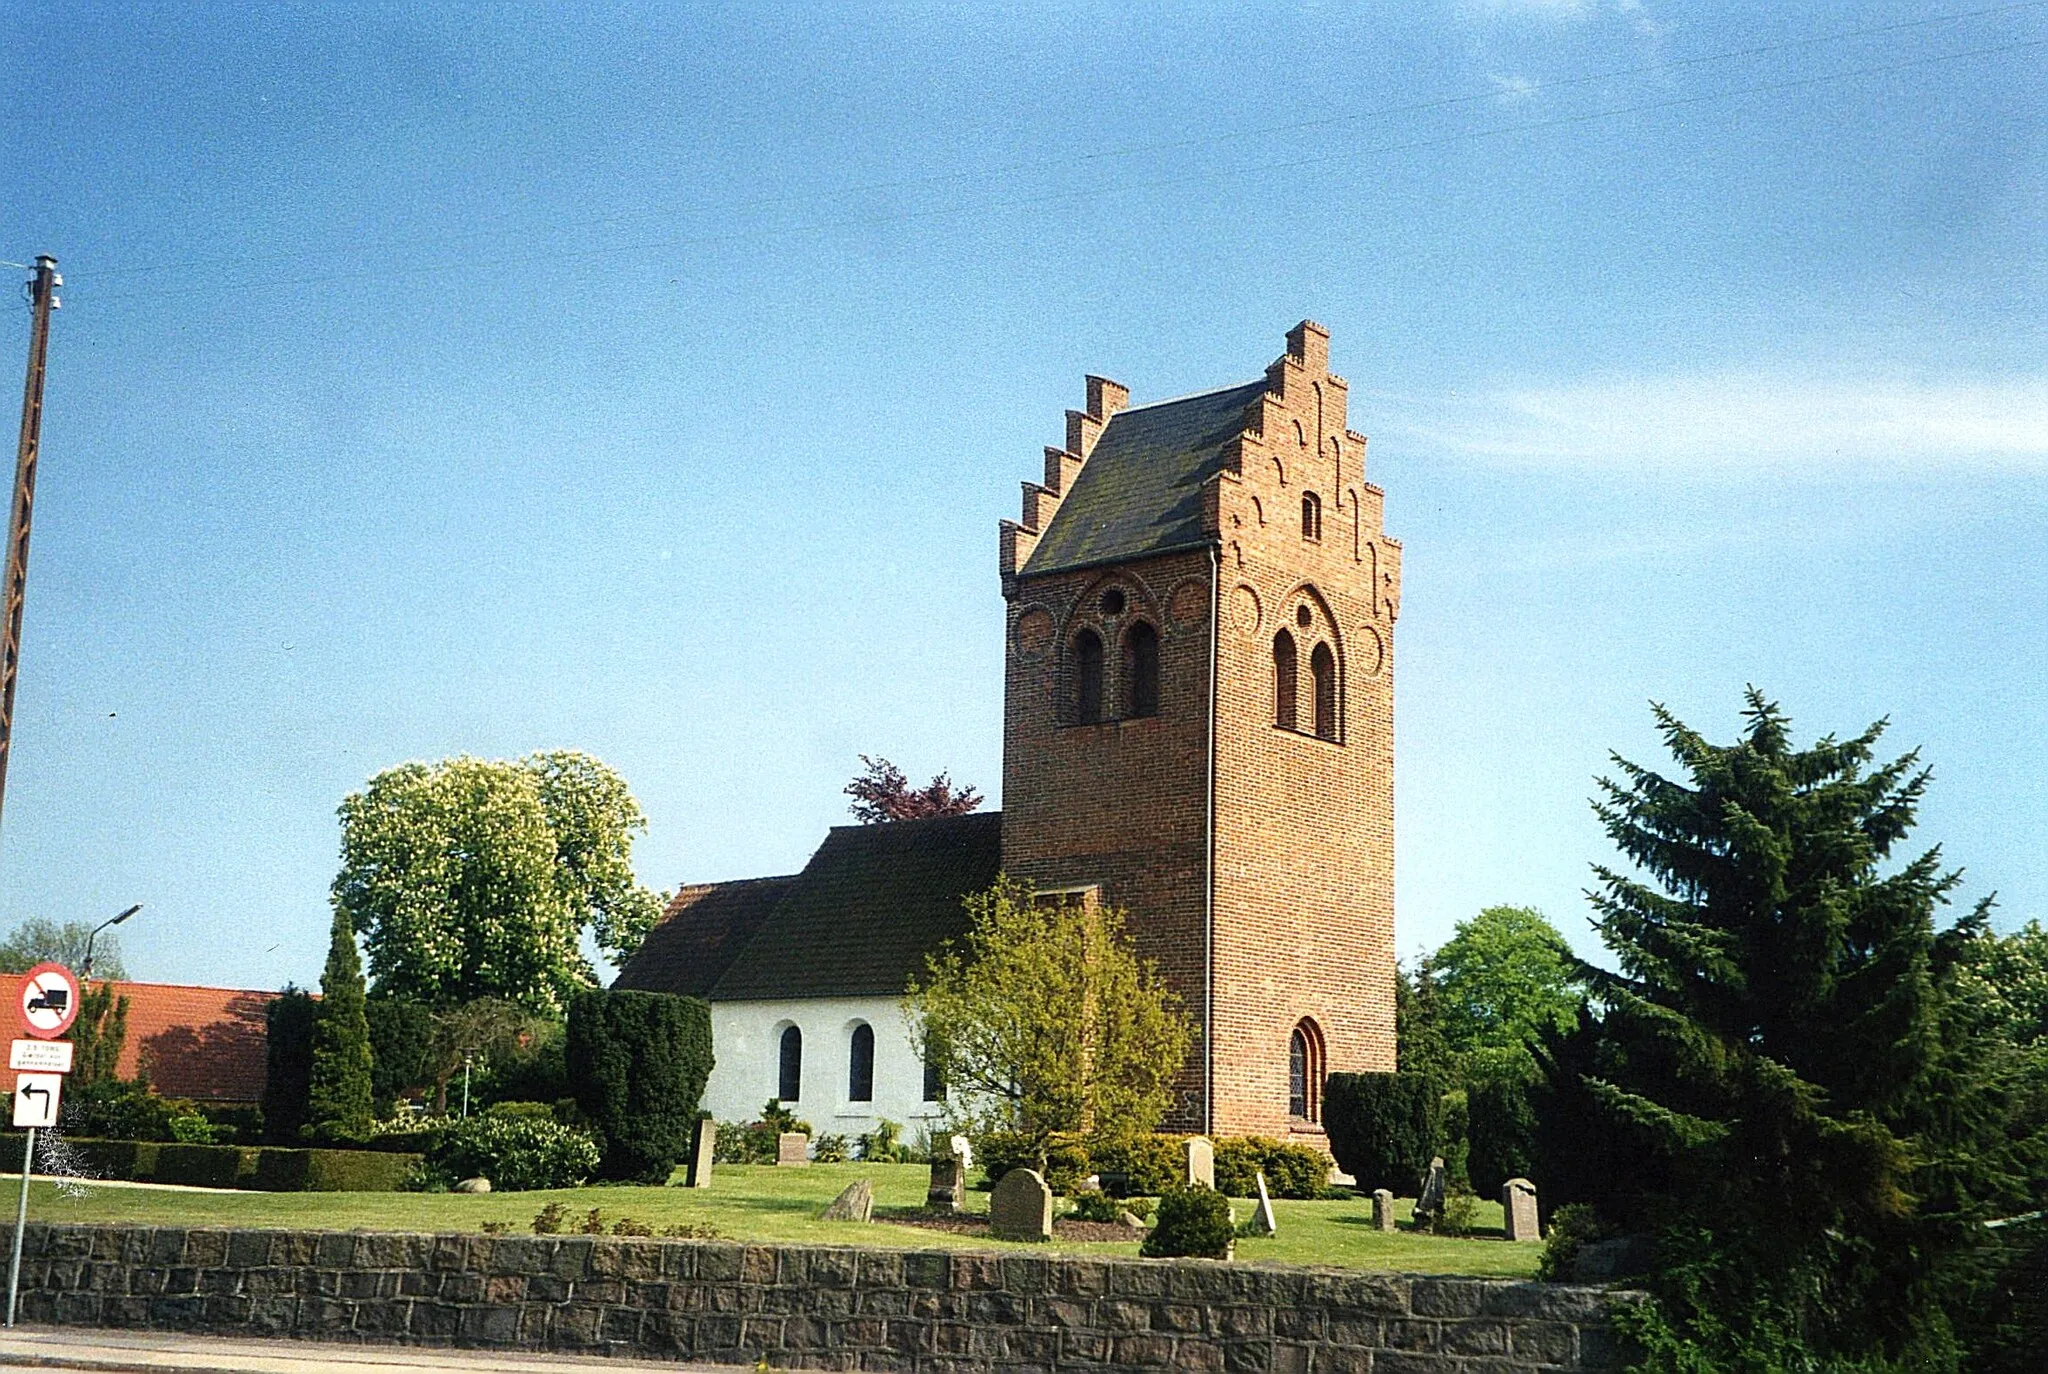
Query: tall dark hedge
(288,1063)
(1500,1122)
(1383,1127)
(338,1105)
(638,1062)
(401,1048)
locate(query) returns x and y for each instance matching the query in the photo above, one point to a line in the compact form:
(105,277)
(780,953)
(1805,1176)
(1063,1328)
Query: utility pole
(42,299)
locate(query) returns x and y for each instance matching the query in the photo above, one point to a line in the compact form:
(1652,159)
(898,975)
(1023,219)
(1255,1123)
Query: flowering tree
(473,878)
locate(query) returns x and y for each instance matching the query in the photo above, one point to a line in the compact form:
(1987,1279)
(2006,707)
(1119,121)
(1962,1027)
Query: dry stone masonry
(805,1307)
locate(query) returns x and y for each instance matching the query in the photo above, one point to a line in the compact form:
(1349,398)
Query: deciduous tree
(882,793)
(1503,979)
(473,878)
(36,940)
(1043,1020)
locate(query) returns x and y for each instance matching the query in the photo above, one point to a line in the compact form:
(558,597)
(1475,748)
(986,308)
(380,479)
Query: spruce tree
(1781,1075)
(338,1091)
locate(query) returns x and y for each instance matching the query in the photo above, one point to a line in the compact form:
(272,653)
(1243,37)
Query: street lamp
(85,970)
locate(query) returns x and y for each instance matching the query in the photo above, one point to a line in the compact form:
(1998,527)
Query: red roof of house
(204,1043)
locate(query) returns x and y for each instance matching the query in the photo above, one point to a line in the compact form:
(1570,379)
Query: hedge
(1292,1171)
(1502,1122)
(639,1061)
(1383,1127)
(331,1171)
(270,1168)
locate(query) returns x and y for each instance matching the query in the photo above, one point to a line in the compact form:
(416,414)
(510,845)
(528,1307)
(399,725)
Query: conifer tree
(1780,1057)
(338,1093)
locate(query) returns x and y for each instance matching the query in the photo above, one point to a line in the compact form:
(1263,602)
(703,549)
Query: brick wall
(1303,842)
(803,1307)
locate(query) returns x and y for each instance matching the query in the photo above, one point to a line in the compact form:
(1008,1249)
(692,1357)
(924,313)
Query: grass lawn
(764,1203)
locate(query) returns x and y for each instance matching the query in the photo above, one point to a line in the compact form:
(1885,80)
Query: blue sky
(649,380)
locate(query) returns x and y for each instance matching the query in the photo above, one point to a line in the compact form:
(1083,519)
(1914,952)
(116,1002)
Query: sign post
(49,1004)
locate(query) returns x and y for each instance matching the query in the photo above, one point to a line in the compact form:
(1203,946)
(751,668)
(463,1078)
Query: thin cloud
(1511,90)
(1730,422)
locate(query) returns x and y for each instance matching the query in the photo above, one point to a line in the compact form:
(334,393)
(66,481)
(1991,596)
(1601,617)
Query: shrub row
(266,1168)
(1385,1128)
(1149,1165)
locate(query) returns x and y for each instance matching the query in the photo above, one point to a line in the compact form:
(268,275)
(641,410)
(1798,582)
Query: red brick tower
(1198,720)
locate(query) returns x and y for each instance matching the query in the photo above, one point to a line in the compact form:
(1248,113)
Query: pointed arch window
(860,1064)
(1305,1072)
(1087,677)
(1311,516)
(789,1067)
(1322,670)
(1141,671)
(1285,685)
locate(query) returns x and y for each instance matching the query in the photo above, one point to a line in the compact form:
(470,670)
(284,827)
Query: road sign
(49,1000)
(40,1056)
(35,1098)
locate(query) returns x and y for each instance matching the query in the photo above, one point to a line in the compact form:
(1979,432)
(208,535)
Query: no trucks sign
(49,1001)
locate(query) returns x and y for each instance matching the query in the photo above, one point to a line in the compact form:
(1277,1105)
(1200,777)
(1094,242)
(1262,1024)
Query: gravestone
(792,1148)
(949,1184)
(1518,1203)
(959,1146)
(1200,1158)
(1430,1205)
(1262,1220)
(474,1185)
(703,1149)
(857,1203)
(1021,1207)
(1382,1209)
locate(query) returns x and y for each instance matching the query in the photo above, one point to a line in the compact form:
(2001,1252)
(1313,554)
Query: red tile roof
(203,1043)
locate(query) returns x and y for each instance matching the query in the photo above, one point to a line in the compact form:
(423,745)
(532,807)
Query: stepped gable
(702,932)
(869,906)
(1130,482)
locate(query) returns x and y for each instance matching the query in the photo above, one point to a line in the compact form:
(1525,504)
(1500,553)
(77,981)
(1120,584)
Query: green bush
(829,1149)
(744,1142)
(884,1145)
(1192,1221)
(1292,1171)
(117,1109)
(331,1171)
(1063,1160)
(205,1166)
(288,1050)
(401,1048)
(514,1153)
(1453,1138)
(1383,1127)
(529,1111)
(639,1061)
(1502,1122)
(82,1156)
(1141,1165)
(1092,1204)
(415,1142)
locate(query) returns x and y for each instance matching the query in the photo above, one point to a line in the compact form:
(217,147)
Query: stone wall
(803,1306)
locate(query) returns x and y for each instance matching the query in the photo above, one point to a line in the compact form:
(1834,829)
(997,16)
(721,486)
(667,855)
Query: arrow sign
(35,1098)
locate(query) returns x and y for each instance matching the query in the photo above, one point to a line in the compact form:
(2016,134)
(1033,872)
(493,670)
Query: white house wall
(746,1042)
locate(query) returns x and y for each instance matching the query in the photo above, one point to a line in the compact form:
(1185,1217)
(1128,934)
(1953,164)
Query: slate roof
(868,907)
(1140,492)
(702,932)
(210,1044)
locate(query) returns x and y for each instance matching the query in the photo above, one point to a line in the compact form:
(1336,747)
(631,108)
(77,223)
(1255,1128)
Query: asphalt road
(150,1352)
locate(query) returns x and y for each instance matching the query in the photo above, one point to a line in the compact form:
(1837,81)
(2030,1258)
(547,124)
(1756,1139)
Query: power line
(1083,159)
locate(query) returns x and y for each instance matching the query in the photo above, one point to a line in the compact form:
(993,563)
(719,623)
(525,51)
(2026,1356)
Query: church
(1198,728)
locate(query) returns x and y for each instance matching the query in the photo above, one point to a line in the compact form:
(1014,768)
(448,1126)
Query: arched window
(934,1078)
(1284,685)
(1322,667)
(789,1072)
(1305,1072)
(1087,677)
(860,1064)
(1311,515)
(1141,671)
